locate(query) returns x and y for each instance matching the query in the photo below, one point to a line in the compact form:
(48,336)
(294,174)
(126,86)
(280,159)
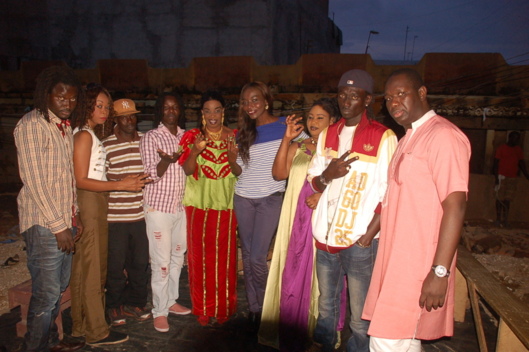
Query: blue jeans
(357,263)
(257,219)
(50,270)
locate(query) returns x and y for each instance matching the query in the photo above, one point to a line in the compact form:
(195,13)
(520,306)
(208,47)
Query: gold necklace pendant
(214,135)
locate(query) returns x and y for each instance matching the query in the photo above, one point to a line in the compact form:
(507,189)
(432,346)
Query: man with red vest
(350,169)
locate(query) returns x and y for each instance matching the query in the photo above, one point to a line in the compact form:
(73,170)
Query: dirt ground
(11,244)
(503,251)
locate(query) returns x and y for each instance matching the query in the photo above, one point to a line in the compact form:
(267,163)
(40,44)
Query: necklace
(214,135)
(313,141)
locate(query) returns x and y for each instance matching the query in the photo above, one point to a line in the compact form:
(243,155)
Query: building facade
(165,33)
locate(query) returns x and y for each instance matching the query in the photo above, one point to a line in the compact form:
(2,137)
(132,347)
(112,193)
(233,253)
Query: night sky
(463,26)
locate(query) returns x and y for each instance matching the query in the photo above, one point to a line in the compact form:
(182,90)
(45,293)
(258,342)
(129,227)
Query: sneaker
(137,313)
(113,338)
(116,316)
(179,309)
(161,324)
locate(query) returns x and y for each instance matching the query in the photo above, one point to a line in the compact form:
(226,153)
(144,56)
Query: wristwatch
(440,271)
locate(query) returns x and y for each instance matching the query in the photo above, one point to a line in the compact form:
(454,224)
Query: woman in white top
(92,121)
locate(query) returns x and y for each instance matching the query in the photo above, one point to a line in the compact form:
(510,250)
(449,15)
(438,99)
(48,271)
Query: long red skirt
(212,260)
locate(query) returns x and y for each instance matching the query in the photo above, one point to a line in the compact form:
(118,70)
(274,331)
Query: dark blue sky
(464,26)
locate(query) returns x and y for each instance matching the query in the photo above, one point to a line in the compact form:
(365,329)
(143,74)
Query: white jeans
(167,246)
(378,344)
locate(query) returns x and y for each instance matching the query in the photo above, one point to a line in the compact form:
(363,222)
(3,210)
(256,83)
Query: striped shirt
(123,159)
(45,162)
(256,179)
(164,193)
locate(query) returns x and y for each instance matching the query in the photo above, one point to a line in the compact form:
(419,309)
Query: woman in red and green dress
(211,223)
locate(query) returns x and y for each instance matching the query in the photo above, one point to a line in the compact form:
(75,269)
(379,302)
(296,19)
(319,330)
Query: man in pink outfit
(411,296)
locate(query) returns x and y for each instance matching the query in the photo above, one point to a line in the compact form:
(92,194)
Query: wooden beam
(491,123)
(461,297)
(474,302)
(507,340)
(512,311)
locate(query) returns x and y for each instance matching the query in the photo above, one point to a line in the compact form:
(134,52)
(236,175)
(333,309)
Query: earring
(222,119)
(266,107)
(203,120)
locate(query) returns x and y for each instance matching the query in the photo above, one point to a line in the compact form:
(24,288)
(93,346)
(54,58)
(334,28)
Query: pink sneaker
(161,324)
(179,309)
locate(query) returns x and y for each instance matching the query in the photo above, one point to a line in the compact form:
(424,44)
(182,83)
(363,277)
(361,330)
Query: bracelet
(361,245)
(323,181)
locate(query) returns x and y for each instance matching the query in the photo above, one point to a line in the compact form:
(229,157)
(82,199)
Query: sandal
(12,260)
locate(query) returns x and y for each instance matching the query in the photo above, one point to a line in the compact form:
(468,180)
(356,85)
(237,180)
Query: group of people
(364,221)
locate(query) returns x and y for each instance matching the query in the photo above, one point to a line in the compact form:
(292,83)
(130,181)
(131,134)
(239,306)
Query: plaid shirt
(165,193)
(45,161)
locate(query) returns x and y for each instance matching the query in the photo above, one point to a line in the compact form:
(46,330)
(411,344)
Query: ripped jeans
(167,246)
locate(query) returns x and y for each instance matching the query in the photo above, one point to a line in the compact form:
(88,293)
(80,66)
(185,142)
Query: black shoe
(113,338)
(67,347)
(140,314)
(116,316)
(254,319)
(251,317)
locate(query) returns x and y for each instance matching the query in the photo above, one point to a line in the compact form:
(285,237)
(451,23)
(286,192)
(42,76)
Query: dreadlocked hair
(86,107)
(158,109)
(47,80)
(247,126)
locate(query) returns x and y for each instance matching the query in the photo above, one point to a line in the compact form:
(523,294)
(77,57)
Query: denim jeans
(257,219)
(357,263)
(50,270)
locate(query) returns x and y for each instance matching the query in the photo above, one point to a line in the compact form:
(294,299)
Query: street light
(369,37)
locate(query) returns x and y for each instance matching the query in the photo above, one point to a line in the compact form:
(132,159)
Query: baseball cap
(124,107)
(357,78)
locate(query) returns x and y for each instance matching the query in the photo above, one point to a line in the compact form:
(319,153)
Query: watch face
(440,271)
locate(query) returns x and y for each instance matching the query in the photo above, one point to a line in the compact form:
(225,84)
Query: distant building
(166,33)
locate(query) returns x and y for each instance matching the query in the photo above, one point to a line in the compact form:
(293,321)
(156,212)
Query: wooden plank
(491,123)
(511,310)
(507,341)
(461,297)
(474,301)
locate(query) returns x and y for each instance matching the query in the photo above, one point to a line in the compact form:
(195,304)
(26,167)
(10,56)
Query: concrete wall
(166,33)
(446,73)
(470,85)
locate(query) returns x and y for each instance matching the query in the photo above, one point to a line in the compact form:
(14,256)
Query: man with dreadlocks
(47,204)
